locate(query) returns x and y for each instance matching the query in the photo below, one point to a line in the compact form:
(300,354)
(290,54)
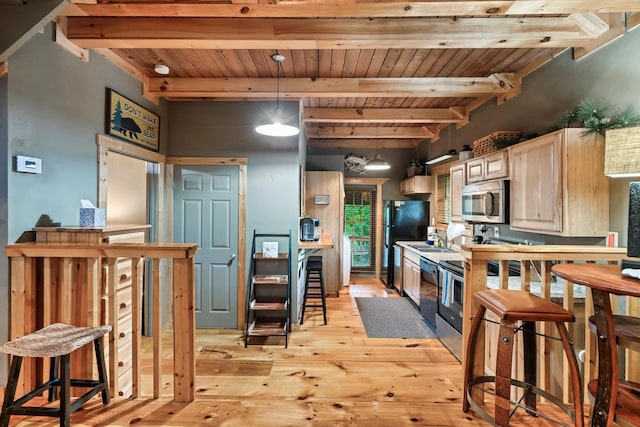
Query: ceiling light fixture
(377,164)
(277,128)
(161,69)
(449,154)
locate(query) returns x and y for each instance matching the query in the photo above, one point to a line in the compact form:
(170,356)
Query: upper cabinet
(491,166)
(558,185)
(418,184)
(457,175)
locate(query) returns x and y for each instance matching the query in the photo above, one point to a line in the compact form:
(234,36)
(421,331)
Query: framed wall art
(131,122)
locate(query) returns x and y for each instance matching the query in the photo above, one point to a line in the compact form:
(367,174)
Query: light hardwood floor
(330,375)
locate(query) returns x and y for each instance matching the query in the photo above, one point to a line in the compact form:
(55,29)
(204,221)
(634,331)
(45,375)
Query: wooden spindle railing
(542,256)
(52,282)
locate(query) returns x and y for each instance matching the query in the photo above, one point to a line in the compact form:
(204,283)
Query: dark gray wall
(52,107)
(227,129)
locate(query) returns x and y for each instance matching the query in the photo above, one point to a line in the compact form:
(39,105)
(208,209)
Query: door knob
(231,258)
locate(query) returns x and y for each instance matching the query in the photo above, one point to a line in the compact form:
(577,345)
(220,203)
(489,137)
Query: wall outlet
(496,231)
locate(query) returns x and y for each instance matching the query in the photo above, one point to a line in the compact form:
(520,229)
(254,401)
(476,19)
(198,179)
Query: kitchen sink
(423,247)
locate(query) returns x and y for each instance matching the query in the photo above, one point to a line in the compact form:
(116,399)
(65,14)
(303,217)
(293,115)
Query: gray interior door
(206,212)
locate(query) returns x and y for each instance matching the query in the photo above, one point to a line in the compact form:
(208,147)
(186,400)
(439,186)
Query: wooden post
(157,329)
(184,323)
(136,323)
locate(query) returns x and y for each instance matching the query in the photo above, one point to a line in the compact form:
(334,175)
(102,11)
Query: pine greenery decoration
(598,117)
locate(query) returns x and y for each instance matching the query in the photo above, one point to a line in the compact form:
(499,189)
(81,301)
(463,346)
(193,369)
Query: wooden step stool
(511,307)
(56,341)
(314,282)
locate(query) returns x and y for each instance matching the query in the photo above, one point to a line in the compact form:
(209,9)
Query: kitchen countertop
(433,256)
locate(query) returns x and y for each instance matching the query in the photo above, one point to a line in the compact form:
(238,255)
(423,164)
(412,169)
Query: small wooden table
(613,397)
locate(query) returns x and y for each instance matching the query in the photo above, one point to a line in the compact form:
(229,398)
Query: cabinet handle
(120,364)
(122,334)
(123,305)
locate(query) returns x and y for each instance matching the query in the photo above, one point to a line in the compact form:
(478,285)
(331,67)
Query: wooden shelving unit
(269,289)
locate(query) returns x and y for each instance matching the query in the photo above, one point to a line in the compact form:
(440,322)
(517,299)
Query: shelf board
(265,329)
(281,256)
(279,304)
(270,279)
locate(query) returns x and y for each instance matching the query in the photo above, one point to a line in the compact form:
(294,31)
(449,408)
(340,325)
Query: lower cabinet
(411,277)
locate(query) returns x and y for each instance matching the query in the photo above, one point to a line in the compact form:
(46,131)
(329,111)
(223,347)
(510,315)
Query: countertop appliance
(402,220)
(429,295)
(450,303)
(486,202)
(309,228)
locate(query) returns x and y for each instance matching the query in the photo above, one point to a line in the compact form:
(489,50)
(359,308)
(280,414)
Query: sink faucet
(442,240)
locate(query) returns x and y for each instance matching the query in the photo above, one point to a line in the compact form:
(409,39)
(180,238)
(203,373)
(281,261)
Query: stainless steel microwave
(486,201)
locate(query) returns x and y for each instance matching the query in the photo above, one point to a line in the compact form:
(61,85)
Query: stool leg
(65,391)
(576,383)
(53,374)
(304,297)
(10,392)
(471,344)
(530,364)
(102,370)
(503,373)
(324,298)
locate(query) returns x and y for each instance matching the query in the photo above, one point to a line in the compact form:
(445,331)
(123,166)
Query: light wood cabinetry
(331,221)
(491,166)
(411,276)
(558,185)
(458,176)
(109,306)
(418,184)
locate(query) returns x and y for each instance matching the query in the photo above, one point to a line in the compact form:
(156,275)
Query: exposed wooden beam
(324,33)
(633,21)
(363,9)
(355,144)
(616,25)
(430,87)
(351,132)
(4,69)
(382,115)
(60,39)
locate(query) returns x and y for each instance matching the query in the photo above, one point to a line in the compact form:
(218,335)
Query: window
(360,217)
(443,194)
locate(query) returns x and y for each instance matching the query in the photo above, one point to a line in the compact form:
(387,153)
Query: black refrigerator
(402,220)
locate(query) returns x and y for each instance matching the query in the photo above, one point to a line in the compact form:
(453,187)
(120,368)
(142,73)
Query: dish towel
(446,294)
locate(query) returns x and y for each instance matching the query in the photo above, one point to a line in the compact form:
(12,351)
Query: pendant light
(449,154)
(377,164)
(277,128)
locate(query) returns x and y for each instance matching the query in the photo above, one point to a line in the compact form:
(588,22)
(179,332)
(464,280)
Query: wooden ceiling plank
(359,132)
(410,33)
(332,8)
(382,115)
(301,87)
(364,143)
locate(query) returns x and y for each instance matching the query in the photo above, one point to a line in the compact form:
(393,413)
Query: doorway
(360,228)
(205,211)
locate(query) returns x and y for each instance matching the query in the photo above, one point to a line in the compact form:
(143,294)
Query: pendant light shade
(377,164)
(277,128)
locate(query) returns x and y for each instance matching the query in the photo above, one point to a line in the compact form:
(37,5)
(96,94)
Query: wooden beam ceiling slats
(357,144)
(331,8)
(296,88)
(293,33)
(375,132)
(382,115)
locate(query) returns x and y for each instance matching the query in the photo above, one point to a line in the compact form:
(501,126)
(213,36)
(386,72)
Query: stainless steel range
(450,303)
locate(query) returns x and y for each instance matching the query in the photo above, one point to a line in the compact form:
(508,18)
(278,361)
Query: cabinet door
(496,165)
(536,185)
(457,175)
(475,170)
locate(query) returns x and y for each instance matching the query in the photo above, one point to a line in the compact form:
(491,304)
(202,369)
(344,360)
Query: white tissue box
(92,217)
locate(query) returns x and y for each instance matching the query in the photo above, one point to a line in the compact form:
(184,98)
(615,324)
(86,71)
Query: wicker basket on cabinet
(485,145)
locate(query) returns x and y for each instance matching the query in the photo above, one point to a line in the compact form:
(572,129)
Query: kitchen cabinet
(558,185)
(411,276)
(331,218)
(458,178)
(491,166)
(418,184)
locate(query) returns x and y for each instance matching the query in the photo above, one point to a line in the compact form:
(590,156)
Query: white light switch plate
(28,164)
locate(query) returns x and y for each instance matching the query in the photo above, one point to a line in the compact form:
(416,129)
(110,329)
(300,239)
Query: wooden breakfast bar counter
(82,282)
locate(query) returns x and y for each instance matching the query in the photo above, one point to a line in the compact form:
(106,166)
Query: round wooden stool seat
(511,307)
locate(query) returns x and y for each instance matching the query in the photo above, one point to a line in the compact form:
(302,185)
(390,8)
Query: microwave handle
(488,210)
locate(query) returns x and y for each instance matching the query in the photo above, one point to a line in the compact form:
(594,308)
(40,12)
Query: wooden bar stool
(314,281)
(56,341)
(511,307)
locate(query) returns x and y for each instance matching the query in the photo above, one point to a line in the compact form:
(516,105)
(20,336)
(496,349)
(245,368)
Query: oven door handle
(488,209)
